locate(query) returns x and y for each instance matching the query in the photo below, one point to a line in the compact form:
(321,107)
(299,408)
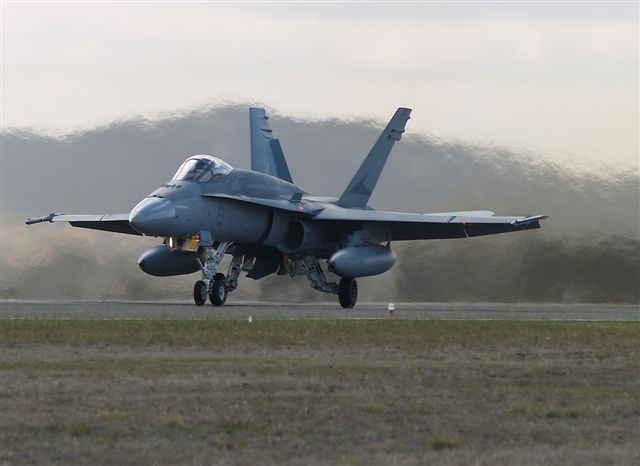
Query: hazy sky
(558,78)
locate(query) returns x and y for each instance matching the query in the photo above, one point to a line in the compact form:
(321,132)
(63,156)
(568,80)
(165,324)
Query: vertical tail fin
(364,181)
(266,152)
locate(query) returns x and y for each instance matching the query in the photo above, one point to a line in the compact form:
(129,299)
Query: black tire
(219,291)
(200,293)
(348,292)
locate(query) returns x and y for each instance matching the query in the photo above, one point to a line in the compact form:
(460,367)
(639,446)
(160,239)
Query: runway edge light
(392,311)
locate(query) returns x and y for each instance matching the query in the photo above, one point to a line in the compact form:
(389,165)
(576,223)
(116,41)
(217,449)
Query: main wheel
(348,292)
(219,291)
(200,293)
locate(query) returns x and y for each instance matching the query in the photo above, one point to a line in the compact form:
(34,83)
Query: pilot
(203,170)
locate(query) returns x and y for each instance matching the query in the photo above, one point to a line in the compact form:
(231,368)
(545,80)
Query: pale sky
(558,79)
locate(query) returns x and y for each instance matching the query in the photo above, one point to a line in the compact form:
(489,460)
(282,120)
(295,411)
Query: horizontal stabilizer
(364,181)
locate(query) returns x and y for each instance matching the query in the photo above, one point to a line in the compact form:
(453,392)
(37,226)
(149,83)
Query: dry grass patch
(318,392)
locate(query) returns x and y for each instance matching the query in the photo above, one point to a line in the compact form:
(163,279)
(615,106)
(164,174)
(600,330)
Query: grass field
(319,392)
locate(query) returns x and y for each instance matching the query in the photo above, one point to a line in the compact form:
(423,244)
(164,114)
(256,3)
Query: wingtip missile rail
(44,218)
(527,220)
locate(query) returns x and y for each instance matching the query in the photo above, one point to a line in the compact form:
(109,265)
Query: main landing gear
(214,284)
(347,289)
(348,292)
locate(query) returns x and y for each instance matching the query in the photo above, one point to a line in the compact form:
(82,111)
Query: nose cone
(153,216)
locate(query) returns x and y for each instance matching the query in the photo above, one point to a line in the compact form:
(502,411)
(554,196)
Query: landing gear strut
(316,276)
(213,284)
(347,290)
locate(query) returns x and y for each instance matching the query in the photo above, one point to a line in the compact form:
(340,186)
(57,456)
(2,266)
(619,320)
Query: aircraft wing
(295,204)
(406,226)
(118,223)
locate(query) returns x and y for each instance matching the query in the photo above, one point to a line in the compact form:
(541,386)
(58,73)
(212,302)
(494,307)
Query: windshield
(202,168)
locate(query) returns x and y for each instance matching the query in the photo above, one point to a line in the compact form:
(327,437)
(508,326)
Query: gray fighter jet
(270,225)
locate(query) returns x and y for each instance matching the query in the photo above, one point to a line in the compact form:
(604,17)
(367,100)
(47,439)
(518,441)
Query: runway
(144,310)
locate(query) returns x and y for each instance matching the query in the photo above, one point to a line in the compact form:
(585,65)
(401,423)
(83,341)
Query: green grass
(445,443)
(559,413)
(372,408)
(302,332)
(520,409)
(231,426)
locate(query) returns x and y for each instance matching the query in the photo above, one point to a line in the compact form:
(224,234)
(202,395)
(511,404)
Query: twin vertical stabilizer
(267,156)
(266,153)
(364,181)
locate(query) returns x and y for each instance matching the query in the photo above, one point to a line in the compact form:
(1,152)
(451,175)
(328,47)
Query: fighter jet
(270,225)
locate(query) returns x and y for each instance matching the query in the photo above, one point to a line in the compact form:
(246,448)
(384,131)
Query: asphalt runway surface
(141,310)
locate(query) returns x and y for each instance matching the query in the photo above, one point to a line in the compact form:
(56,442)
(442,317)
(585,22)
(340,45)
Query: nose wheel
(219,290)
(348,292)
(217,295)
(200,292)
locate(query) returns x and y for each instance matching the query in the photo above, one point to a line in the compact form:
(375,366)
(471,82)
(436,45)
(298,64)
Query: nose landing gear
(214,285)
(219,291)
(200,293)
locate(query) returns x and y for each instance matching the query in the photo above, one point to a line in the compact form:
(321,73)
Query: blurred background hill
(588,251)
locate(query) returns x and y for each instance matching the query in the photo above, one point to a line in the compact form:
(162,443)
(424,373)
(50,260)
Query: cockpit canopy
(202,168)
